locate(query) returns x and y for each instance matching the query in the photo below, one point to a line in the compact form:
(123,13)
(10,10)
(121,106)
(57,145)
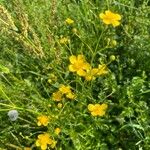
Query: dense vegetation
(75,74)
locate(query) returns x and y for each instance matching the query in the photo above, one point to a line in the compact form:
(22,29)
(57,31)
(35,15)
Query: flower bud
(112,57)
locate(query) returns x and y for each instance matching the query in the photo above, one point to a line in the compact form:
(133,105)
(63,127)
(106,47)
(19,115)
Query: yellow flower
(78,64)
(64,40)
(57,130)
(69,21)
(43,140)
(110,18)
(70,95)
(64,89)
(57,96)
(42,120)
(102,70)
(90,75)
(97,109)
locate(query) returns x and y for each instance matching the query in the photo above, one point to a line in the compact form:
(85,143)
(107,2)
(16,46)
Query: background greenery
(30,52)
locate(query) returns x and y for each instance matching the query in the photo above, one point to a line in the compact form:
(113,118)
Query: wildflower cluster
(63,91)
(44,140)
(66,100)
(82,68)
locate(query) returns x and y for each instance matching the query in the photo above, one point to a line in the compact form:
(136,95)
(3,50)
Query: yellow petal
(40,136)
(107,21)
(93,113)
(80,58)
(97,105)
(91,107)
(104,106)
(86,66)
(73,59)
(70,95)
(108,12)
(44,146)
(118,17)
(101,15)
(45,123)
(39,124)
(115,23)
(71,68)
(81,72)
(69,21)
(101,113)
(37,143)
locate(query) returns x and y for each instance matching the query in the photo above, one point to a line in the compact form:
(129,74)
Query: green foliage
(34,63)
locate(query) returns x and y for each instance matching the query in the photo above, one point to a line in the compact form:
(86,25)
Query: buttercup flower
(57,96)
(42,120)
(110,18)
(64,89)
(69,21)
(43,140)
(97,109)
(78,64)
(57,130)
(13,115)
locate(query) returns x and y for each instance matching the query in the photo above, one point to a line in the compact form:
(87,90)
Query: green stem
(6,96)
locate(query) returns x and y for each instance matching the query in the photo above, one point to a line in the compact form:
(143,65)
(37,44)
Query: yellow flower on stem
(97,109)
(110,18)
(69,21)
(42,120)
(43,140)
(79,65)
(64,89)
(57,130)
(57,96)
